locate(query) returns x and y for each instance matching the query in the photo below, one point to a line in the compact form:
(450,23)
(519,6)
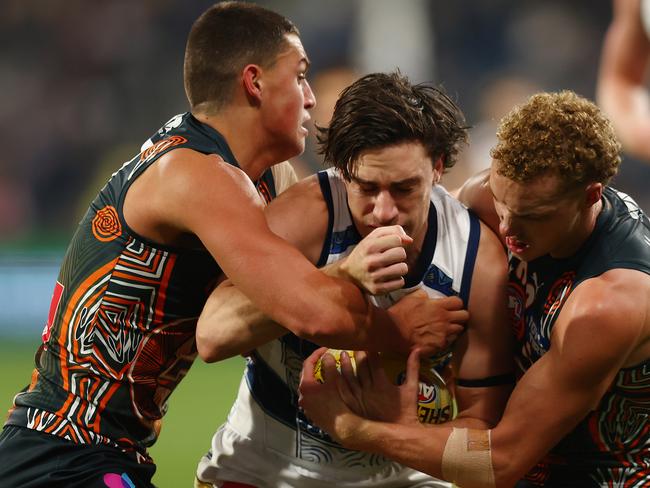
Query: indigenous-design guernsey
(611,446)
(120,332)
(444,268)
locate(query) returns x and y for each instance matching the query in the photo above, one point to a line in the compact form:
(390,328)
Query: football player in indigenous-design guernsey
(158,237)
(579,298)
(389,142)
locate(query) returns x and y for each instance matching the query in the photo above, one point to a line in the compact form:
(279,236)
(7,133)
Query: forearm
(373,329)
(628,107)
(418,446)
(621,88)
(231,325)
(427,448)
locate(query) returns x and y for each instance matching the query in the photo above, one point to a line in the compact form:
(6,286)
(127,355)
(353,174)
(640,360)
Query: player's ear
(593,193)
(438,168)
(251,80)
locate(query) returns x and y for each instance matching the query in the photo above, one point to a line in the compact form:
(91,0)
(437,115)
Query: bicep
(483,355)
(589,346)
(300,217)
(219,204)
(486,348)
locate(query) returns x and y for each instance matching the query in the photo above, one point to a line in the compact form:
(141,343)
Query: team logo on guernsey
(161,146)
(106,224)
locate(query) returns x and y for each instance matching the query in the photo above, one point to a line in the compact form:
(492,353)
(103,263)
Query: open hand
(372,395)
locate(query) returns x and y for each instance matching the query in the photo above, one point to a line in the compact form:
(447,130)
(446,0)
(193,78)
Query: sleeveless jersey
(271,379)
(120,332)
(611,446)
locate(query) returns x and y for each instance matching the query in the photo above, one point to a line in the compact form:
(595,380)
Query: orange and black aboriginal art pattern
(106,224)
(611,446)
(120,332)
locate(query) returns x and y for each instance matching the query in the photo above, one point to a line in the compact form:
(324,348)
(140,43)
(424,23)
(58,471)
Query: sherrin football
(435,401)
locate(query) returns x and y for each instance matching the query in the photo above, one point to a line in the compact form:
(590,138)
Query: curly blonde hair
(557,132)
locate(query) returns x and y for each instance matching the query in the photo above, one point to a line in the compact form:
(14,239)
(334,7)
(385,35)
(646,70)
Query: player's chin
(295,148)
(528,254)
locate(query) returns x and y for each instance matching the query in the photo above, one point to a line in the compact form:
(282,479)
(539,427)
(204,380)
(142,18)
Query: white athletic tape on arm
(467,459)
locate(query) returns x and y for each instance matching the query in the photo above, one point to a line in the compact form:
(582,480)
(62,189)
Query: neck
(240,129)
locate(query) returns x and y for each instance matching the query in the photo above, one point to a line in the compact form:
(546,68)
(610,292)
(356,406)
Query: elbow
(208,349)
(206,353)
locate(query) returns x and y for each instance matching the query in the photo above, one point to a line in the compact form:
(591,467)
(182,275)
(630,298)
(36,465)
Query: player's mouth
(515,245)
(304,129)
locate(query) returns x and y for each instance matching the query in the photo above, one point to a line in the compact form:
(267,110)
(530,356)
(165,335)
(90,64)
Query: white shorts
(256,449)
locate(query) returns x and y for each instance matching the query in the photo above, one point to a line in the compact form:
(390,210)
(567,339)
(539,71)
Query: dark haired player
(389,142)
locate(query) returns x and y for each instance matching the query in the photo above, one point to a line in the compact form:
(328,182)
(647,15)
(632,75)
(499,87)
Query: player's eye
(403,190)
(368,189)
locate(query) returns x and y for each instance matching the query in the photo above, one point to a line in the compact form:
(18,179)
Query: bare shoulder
(183,192)
(191,177)
(610,314)
(192,167)
(491,266)
(476,195)
(300,216)
(473,187)
(490,245)
(489,282)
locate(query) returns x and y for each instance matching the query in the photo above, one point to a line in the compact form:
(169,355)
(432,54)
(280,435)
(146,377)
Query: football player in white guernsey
(622,79)
(379,218)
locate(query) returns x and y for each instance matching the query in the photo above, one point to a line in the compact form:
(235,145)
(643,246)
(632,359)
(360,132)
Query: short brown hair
(224,39)
(380,110)
(557,132)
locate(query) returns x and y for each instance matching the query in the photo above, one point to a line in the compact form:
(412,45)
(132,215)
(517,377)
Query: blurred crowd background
(83,84)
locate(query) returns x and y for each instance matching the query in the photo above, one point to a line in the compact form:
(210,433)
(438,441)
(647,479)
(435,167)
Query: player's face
(393,186)
(287,99)
(537,217)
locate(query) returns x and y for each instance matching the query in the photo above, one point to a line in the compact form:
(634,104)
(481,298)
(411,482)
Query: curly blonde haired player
(579,296)
(389,142)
